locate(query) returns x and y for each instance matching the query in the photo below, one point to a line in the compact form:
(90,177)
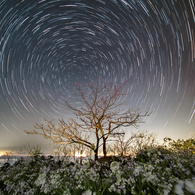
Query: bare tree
(8,155)
(126,145)
(33,150)
(89,153)
(103,111)
(143,140)
(122,145)
(61,151)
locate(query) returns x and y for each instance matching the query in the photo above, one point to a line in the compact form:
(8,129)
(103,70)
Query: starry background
(46,45)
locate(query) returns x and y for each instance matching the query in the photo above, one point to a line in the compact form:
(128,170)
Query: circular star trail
(47,45)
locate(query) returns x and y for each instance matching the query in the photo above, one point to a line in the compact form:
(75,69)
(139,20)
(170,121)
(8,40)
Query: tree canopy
(102,114)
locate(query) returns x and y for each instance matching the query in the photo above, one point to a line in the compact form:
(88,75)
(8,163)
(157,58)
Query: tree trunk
(96,156)
(96,149)
(104,147)
(96,152)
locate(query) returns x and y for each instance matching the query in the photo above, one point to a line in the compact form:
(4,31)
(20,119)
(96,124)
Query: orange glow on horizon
(1,153)
(79,155)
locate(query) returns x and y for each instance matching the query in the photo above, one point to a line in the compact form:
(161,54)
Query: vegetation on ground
(156,169)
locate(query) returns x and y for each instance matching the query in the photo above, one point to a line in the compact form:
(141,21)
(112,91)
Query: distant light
(1,154)
(79,155)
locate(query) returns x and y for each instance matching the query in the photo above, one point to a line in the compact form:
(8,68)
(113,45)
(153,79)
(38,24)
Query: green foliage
(37,153)
(146,154)
(181,145)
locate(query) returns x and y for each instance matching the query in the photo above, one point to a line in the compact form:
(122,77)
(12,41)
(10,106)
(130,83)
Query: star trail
(46,45)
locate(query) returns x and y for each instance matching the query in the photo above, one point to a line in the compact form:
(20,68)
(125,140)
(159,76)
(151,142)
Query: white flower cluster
(88,192)
(55,180)
(114,166)
(188,184)
(162,175)
(40,181)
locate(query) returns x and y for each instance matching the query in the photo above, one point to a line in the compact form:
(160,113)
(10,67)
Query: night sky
(46,45)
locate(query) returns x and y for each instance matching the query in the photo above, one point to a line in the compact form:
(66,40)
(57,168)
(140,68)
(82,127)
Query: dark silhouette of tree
(123,145)
(102,113)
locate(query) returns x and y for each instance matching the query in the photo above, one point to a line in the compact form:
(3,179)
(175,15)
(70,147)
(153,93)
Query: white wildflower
(118,176)
(137,170)
(112,188)
(190,186)
(131,181)
(66,192)
(166,191)
(114,166)
(178,187)
(93,174)
(157,161)
(88,192)
(167,169)
(41,179)
(55,180)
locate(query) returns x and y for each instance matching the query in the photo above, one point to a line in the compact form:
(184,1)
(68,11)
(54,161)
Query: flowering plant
(153,171)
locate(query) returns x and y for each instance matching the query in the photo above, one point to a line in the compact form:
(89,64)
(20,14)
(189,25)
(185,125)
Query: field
(153,171)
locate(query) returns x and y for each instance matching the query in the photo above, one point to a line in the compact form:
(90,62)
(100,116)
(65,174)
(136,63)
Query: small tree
(123,145)
(181,145)
(142,140)
(33,151)
(8,155)
(102,113)
(61,151)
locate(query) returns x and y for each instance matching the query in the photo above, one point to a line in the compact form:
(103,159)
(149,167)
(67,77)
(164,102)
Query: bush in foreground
(154,171)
